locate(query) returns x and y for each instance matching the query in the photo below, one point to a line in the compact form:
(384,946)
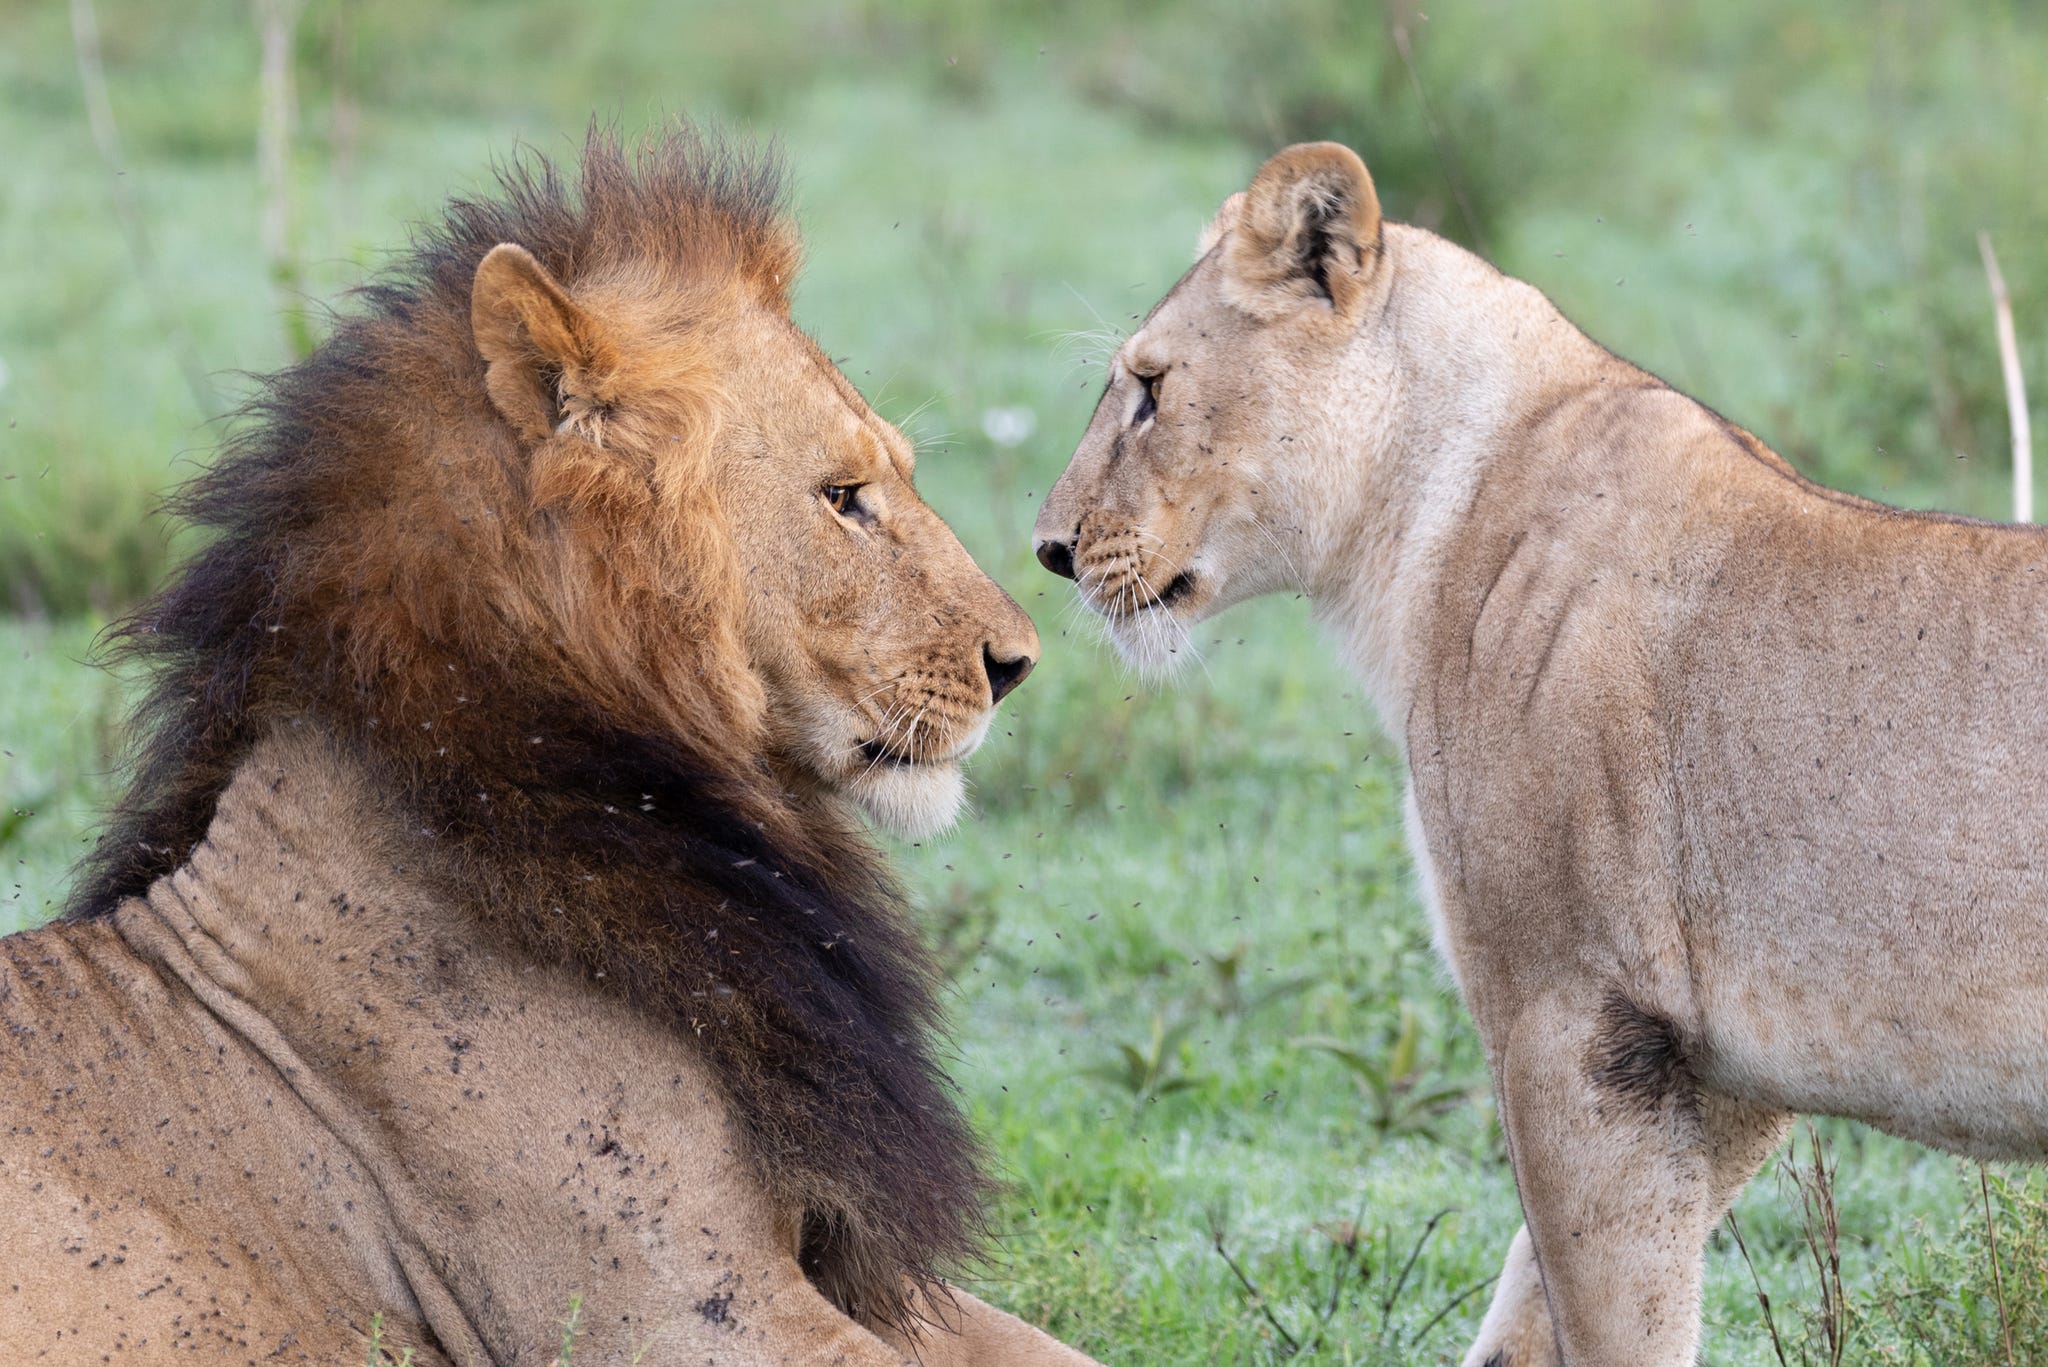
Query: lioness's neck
(1437,381)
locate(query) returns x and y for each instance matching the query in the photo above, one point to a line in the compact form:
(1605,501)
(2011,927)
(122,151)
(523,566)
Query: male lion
(484,927)
(1729,791)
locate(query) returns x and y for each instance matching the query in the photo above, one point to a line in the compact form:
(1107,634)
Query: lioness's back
(1867,686)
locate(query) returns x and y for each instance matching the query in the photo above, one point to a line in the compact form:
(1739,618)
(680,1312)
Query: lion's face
(884,647)
(724,488)
(1178,501)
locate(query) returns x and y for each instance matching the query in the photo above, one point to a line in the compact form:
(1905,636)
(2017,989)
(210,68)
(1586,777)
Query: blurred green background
(1196,1001)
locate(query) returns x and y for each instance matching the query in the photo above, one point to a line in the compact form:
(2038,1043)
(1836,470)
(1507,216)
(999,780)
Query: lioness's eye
(842,498)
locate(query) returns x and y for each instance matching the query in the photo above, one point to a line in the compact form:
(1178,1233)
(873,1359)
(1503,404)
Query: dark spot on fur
(1639,1059)
(716,1309)
(1500,1359)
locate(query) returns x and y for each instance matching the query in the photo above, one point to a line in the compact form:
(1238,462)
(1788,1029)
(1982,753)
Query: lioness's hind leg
(1606,1125)
(1516,1331)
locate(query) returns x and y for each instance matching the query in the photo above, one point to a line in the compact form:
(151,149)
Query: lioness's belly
(1950,1055)
(160,1189)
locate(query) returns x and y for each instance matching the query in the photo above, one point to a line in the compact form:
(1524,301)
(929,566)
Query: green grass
(1195,997)
(58,737)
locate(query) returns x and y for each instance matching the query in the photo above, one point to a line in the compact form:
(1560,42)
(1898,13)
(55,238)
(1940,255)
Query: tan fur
(486,925)
(1726,790)
(289,1090)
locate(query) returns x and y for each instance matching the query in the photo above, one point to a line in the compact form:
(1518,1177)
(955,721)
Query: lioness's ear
(539,346)
(1309,230)
(1226,219)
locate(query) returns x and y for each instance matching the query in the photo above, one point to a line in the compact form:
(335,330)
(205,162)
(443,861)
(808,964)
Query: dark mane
(367,527)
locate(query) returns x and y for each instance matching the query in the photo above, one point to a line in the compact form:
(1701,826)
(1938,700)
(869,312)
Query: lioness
(1729,792)
(485,928)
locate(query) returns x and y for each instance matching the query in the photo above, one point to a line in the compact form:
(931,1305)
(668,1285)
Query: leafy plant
(1979,1293)
(1405,1094)
(379,1355)
(1155,1068)
(571,1328)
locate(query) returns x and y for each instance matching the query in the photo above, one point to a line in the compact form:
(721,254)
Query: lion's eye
(842,498)
(1148,402)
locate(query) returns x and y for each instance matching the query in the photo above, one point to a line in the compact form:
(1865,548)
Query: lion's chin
(913,801)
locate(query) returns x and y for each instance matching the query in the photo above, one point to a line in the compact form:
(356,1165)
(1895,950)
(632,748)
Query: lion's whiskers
(906,741)
(909,746)
(881,728)
(876,692)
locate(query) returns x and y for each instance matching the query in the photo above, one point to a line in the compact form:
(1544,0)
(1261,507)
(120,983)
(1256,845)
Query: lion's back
(151,1173)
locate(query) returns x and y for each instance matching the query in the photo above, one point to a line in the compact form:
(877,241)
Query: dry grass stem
(1997,1275)
(2015,387)
(106,136)
(1763,1297)
(1820,1225)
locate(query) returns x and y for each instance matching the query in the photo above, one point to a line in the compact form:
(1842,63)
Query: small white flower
(1009,426)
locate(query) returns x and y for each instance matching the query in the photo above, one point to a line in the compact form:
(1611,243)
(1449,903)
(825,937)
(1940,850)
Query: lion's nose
(1004,674)
(1057,556)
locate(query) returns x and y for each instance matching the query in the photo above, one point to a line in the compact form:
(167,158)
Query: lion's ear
(539,346)
(1308,231)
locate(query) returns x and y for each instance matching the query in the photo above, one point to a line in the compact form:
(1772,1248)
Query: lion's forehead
(840,418)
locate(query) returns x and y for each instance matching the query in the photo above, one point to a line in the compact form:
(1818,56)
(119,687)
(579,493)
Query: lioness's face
(883,646)
(1159,518)
(1178,501)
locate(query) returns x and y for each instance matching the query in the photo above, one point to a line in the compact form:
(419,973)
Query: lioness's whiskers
(1115,335)
(1167,560)
(1279,548)
(1093,578)
(1085,348)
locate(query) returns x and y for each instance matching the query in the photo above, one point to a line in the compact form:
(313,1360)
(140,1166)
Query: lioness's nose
(1004,672)
(1057,556)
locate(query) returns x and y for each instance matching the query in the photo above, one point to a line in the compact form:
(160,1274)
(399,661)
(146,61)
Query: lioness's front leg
(1614,1164)
(1516,1331)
